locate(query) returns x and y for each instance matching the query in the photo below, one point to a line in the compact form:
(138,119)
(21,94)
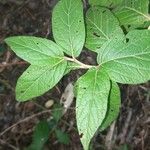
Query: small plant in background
(123,56)
(44,129)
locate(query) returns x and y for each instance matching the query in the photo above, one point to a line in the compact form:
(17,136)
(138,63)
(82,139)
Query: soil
(18,120)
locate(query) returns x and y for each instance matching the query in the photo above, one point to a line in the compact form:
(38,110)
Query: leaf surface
(114,104)
(102,26)
(132,12)
(68,26)
(37,51)
(108,3)
(129,62)
(37,80)
(91,104)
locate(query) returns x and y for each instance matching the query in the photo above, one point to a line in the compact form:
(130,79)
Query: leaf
(37,51)
(132,12)
(68,26)
(40,136)
(129,62)
(102,26)
(91,104)
(108,3)
(114,104)
(37,80)
(62,136)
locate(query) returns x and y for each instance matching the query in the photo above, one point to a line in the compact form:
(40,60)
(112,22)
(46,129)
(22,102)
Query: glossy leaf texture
(102,26)
(108,3)
(127,62)
(68,26)
(92,91)
(37,80)
(37,51)
(132,12)
(114,103)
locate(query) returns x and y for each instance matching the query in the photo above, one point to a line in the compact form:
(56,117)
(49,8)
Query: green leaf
(37,51)
(129,62)
(62,136)
(57,112)
(37,80)
(108,3)
(132,12)
(91,104)
(114,104)
(40,136)
(102,26)
(68,26)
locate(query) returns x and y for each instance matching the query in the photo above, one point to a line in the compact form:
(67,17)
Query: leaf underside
(91,104)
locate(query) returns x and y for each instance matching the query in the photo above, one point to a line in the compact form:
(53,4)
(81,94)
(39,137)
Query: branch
(82,65)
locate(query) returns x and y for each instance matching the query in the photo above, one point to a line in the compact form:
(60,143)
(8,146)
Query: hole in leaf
(79,20)
(111,110)
(63,99)
(37,43)
(21,91)
(81,135)
(95,34)
(127,40)
(104,11)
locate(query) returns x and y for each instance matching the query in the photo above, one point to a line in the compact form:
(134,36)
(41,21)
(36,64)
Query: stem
(82,65)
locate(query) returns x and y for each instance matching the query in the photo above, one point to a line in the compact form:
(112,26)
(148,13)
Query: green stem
(82,65)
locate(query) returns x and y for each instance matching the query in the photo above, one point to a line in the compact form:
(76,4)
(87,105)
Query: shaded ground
(17,120)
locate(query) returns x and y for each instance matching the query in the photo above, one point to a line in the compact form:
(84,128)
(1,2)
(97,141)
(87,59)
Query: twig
(8,144)
(81,65)
(6,84)
(108,141)
(127,122)
(4,64)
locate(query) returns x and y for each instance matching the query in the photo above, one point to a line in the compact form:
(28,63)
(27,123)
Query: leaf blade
(91,95)
(127,62)
(132,12)
(37,51)
(102,26)
(68,26)
(114,104)
(37,80)
(108,3)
